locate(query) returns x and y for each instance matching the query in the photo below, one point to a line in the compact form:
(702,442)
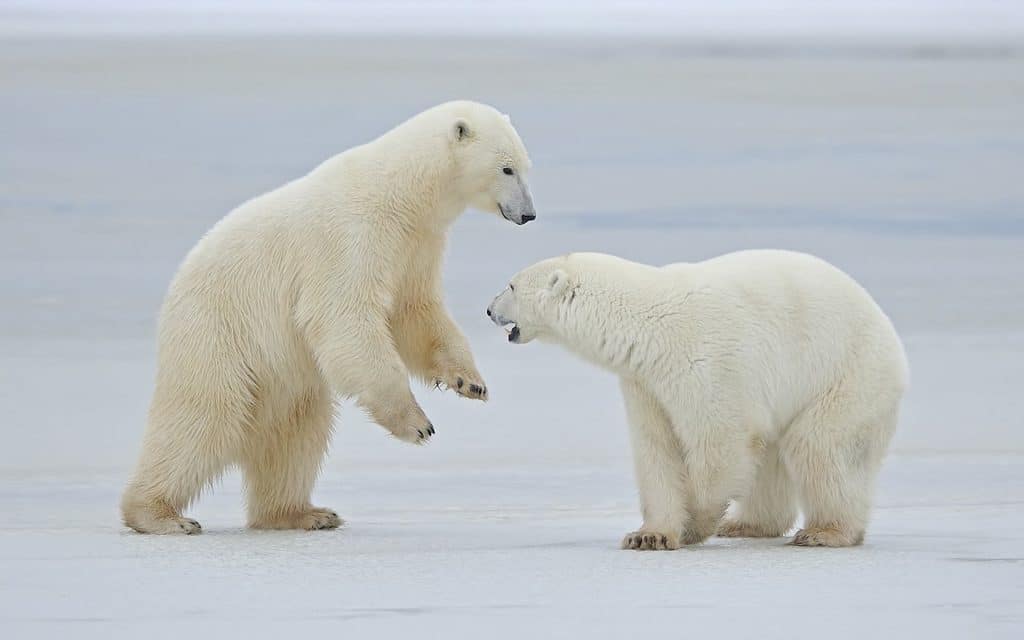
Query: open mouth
(512,330)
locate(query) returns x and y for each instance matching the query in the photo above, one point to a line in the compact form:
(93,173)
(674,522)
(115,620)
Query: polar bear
(767,377)
(328,286)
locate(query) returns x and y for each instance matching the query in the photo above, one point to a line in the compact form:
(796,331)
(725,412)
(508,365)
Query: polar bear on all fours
(766,377)
(328,286)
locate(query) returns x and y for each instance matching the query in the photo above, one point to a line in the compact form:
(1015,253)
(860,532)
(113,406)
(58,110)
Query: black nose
(488,312)
(529,216)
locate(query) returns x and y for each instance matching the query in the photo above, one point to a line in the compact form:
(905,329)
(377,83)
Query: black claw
(430,429)
(421,433)
(475,388)
(458,382)
(664,541)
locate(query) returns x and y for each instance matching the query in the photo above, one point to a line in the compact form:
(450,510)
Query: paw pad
(648,542)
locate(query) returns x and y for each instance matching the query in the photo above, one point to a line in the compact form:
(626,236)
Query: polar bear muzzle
(516,203)
(496,312)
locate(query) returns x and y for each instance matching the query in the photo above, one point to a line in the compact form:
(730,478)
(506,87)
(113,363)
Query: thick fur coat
(329,286)
(766,377)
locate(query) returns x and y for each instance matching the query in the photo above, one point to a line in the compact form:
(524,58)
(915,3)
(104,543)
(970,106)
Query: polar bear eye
(511,287)
(507,171)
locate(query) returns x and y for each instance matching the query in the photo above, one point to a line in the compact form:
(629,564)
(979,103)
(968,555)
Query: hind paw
(311,519)
(826,537)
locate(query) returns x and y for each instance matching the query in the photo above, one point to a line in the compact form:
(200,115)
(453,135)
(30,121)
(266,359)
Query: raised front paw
(465,382)
(415,431)
(406,421)
(646,540)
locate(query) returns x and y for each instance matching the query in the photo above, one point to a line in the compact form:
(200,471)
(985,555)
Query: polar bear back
(805,323)
(768,330)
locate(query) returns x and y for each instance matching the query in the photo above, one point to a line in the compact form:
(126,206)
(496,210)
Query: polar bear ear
(461,130)
(558,282)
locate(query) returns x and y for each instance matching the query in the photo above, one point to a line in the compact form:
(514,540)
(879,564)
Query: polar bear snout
(499,315)
(519,215)
(497,318)
(515,203)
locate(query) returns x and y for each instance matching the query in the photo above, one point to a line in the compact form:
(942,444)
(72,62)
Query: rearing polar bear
(768,377)
(329,285)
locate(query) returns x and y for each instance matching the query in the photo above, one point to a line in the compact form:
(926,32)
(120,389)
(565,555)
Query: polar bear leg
(356,354)
(660,474)
(834,455)
(187,445)
(769,510)
(721,461)
(434,349)
(282,464)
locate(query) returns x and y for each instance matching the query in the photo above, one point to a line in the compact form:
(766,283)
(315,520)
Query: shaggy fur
(768,377)
(328,286)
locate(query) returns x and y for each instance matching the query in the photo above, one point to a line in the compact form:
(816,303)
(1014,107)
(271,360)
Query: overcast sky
(943,19)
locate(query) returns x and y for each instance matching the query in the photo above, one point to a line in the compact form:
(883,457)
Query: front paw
(407,422)
(465,382)
(647,540)
(416,431)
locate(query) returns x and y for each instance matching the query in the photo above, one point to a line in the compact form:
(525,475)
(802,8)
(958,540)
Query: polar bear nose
(529,216)
(488,312)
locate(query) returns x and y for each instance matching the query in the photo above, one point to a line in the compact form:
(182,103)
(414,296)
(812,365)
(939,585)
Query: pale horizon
(840,21)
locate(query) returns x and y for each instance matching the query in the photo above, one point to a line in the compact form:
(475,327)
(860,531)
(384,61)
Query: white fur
(766,377)
(328,286)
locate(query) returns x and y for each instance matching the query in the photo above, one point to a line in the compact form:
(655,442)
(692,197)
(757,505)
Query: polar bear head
(591,303)
(490,161)
(535,302)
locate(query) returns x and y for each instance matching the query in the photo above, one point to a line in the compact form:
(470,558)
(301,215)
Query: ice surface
(520,552)
(116,155)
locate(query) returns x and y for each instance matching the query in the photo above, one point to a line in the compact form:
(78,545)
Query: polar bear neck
(620,326)
(411,185)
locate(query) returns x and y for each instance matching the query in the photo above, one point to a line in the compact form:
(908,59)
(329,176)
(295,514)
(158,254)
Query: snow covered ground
(116,154)
(520,552)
